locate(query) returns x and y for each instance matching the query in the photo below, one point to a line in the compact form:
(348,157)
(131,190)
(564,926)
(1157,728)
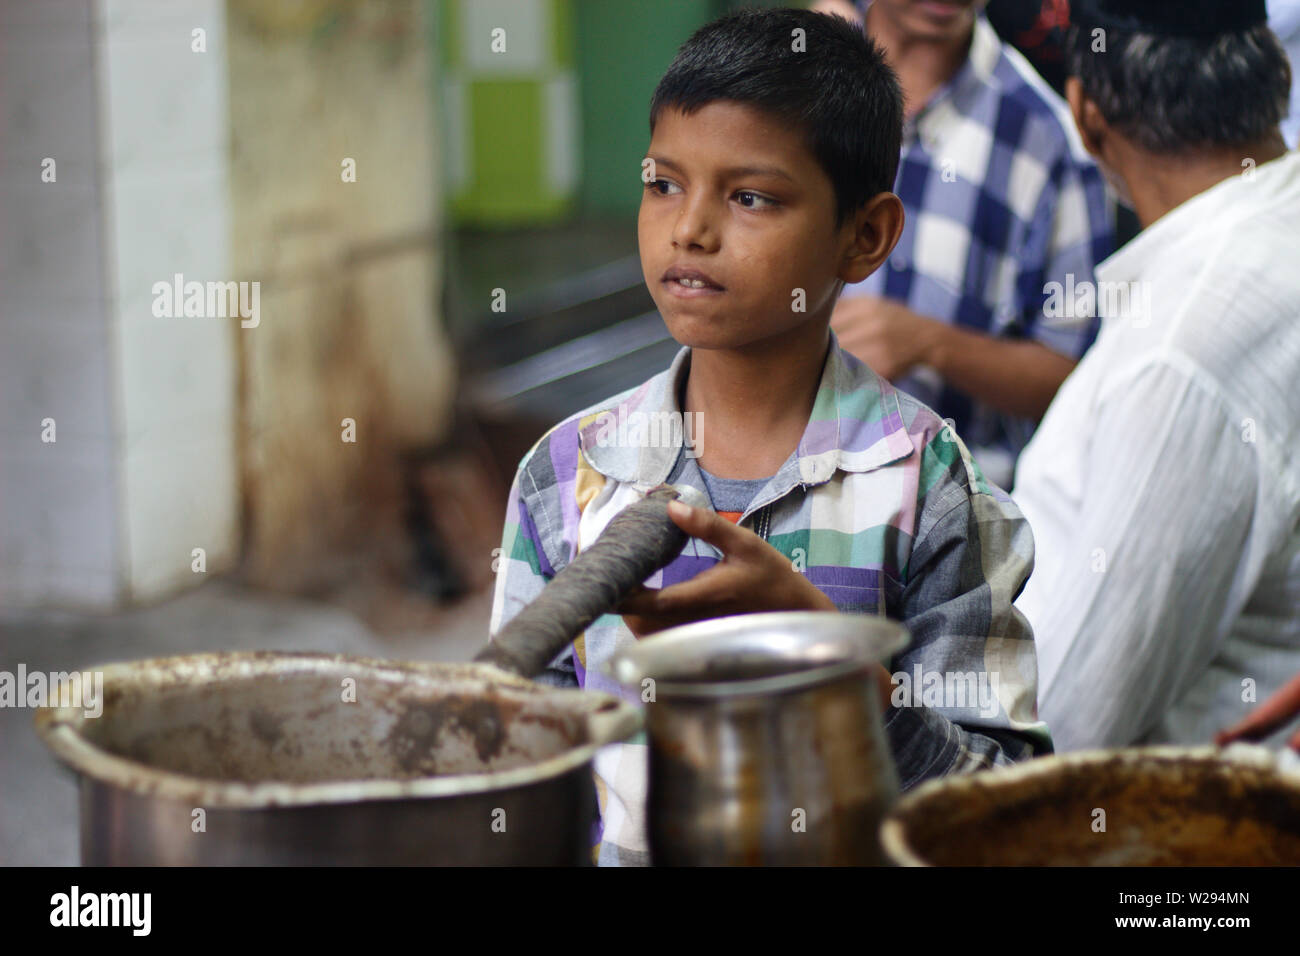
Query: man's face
(758,233)
(934,20)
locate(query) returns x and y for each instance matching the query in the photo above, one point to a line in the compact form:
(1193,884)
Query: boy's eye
(761,199)
(654,185)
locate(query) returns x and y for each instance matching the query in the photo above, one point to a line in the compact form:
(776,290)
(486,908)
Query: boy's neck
(922,65)
(754,404)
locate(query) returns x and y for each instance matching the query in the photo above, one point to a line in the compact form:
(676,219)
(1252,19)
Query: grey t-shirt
(732,494)
(726,494)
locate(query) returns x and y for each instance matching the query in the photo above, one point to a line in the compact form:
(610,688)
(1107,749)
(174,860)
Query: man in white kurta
(1163,485)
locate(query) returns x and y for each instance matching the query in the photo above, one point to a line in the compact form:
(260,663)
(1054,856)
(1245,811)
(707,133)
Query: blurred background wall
(118,428)
(336,207)
(436,200)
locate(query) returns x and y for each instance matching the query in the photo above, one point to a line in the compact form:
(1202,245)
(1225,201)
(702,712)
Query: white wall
(143,469)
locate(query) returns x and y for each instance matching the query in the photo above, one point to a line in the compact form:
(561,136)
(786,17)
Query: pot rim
(628,669)
(893,830)
(608,720)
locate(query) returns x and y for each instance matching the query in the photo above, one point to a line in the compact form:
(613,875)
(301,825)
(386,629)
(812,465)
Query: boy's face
(759,235)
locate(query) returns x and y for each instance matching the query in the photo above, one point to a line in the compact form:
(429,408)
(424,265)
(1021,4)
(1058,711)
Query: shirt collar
(856,425)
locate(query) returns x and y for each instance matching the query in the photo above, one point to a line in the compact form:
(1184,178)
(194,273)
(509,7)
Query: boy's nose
(695,225)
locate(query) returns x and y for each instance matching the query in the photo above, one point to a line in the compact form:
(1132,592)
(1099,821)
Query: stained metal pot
(766,738)
(267,758)
(1144,806)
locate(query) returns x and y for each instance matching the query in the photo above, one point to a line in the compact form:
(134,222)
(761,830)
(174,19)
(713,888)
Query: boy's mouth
(690,289)
(690,283)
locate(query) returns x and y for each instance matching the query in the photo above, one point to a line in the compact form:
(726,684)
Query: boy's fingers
(640,601)
(702,593)
(679,599)
(709,526)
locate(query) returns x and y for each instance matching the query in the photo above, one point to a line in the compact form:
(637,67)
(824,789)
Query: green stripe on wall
(507,129)
(623,49)
(563,40)
(452,57)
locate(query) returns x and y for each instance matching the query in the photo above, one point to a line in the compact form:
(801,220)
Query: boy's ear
(876,229)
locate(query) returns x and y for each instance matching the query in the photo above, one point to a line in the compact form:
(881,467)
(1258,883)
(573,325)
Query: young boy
(774,142)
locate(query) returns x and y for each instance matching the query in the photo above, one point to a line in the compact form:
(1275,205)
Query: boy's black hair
(837,90)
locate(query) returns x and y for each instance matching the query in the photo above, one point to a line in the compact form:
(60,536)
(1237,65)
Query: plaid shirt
(890,516)
(1000,199)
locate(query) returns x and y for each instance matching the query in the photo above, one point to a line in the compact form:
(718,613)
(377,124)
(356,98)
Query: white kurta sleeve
(1139,602)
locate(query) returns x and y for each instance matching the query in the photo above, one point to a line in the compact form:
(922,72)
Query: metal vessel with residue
(1144,806)
(267,758)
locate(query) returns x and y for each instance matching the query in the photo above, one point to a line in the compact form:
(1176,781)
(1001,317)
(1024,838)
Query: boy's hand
(752,576)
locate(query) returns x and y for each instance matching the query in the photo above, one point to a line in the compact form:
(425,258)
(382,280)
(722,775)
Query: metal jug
(766,738)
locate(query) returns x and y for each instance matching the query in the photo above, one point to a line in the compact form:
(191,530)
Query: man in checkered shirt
(1001,200)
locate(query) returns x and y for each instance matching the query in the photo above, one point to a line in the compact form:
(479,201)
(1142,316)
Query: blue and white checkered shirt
(1001,199)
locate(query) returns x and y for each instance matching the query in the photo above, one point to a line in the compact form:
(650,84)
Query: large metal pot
(265,758)
(1144,806)
(766,739)
(305,758)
